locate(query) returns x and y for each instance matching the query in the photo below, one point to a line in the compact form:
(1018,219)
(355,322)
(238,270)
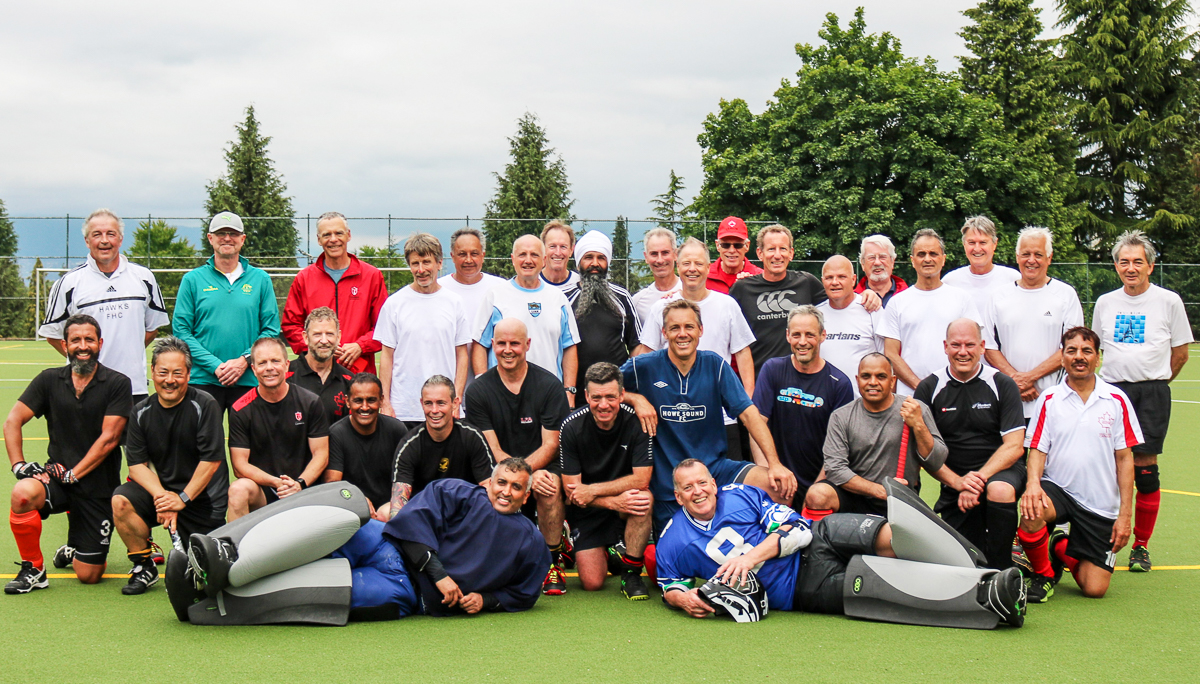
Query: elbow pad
(795,539)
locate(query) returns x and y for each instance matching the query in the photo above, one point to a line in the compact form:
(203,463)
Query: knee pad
(1145,478)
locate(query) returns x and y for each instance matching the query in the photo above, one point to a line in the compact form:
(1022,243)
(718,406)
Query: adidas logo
(660,384)
(1048,314)
(111,289)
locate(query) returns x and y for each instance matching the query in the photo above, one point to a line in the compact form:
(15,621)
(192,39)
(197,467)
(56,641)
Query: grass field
(1146,629)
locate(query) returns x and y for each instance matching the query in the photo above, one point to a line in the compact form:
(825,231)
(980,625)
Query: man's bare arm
(401,493)
(240,460)
(544,454)
(110,437)
(13,440)
(319,446)
(891,349)
(1179,356)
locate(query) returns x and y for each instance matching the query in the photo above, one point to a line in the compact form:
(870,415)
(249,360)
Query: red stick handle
(903,453)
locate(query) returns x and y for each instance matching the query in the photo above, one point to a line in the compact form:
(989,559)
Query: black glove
(61,473)
(23,470)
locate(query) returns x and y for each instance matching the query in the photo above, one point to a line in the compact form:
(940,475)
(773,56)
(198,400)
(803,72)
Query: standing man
(121,295)
(468,281)
(542,308)
(223,307)
(733,241)
(978,411)
(362,444)
(316,370)
(86,406)
(278,435)
(608,325)
(659,253)
(877,256)
(428,326)
(1024,324)
(797,394)
(1144,334)
(1081,472)
(851,332)
(353,289)
(980,276)
(914,326)
(607,460)
(559,241)
(176,454)
(519,406)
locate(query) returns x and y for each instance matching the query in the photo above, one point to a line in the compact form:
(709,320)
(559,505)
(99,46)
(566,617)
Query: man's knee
(1001,492)
(1093,581)
(27,495)
(242,491)
(88,573)
(1144,459)
(821,497)
(121,507)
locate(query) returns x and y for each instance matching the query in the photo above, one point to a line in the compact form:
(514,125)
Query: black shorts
(836,539)
(269,493)
(1091,534)
(593,528)
(972,524)
(89,521)
(737,442)
(849,502)
(190,521)
(225,396)
(1152,405)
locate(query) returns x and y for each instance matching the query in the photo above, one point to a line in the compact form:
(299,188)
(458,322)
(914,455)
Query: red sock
(648,557)
(1037,547)
(1060,551)
(1147,514)
(817,514)
(27,529)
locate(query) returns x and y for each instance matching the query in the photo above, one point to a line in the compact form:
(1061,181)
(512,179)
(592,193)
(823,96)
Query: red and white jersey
(1080,440)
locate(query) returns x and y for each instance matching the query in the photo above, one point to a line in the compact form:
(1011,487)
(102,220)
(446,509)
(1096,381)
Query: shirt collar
(122,262)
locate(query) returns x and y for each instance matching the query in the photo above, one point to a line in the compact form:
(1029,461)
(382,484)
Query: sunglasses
(731,245)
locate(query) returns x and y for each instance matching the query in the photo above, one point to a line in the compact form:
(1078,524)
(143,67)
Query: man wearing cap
(733,241)
(222,308)
(877,256)
(354,290)
(608,324)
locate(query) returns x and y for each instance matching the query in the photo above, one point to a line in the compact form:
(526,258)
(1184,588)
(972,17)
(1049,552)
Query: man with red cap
(733,241)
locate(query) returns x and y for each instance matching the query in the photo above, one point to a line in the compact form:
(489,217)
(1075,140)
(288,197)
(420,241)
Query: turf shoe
(1056,563)
(633,587)
(156,553)
(1004,594)
(556,581)
(141,577)
(64,556)
(1040,589)
(211,559)
(615,565)
(1021,562)
(1139,559)
(28,579)
(568,549)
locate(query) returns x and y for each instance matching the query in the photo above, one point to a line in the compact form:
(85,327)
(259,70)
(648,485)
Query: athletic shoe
(1139,559)
(568,552)
(1004,594)
(1056,563)
(64,556)
(556,581)
(211,559)
(28,579)
(633,587)
(141,578)
(156,553)
(615,565)
(1040,589)
(1021,562)
(182,588)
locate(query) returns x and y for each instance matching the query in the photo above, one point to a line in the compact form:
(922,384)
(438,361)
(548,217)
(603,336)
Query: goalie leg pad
(913,593)
(919,535)
(316,593)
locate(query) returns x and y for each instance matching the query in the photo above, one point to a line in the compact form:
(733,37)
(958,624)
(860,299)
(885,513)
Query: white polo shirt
(1080,441)
(918,319)
(127,304)
(983,287)
(850,334)
(1137,333)
(646,298)
(546,313)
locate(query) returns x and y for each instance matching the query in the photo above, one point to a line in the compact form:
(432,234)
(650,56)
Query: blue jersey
(797,407)
(745,516)
(689,410)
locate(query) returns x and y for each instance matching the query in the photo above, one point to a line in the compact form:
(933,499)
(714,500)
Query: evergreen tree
(391,256)
(252,187)
(669,208)
(533,186)
(15,320)
(619,270)
(158,245)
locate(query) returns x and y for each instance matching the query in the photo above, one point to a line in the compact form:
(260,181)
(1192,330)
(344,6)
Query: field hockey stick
(903,453)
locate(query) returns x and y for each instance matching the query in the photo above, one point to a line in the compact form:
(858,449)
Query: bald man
(851,332)
(542,308)
(978,411)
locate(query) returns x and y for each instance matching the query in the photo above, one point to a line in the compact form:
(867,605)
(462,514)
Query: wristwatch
(183,496)
(573,390)
(302,483)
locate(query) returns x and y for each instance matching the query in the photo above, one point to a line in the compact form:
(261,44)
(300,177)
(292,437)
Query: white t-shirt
(1080,441)
(424,330)
(1137,333)
(545,311)
(1027,326)
(471,295)
(850,334)
(646,297)
(983,286)
(918,319)
(571,281)
(127,305)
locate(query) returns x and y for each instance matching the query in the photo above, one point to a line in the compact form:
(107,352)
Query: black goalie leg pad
(317,593)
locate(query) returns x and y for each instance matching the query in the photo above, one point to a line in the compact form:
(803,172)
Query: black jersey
(74,424)
(766,305)
(334,392)
(464,455)
(176,440)
(517,419)
(277,434)
(972,416)
(366,460)
(604,334)
(603,455)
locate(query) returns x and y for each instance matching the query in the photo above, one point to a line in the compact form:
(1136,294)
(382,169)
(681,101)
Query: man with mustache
(608,324)
(362,445)
(980,276)
(86,406)
(877,256)
(176,454)
(317,370)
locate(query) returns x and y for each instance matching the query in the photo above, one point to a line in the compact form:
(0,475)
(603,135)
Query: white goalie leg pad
(290,539)
(919,535)
(913,593)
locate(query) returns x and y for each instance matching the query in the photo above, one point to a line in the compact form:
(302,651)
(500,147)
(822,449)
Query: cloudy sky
(388,107)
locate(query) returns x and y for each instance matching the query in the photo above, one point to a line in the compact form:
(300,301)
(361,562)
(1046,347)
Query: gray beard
(83,367)
(593,291)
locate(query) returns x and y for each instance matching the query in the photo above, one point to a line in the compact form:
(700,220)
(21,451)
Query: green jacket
(220,321)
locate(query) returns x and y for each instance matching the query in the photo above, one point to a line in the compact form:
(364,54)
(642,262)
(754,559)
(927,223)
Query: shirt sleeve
(210,433)
(1130,434)
(988,313)
(633,326)
(876,327)
(1181,329)
(844,394)
(641,447)
(135,442)
(837,449)
(937,456)
(182,326)
(239,429)
(1012,410)
(462,327)
(764,392)
(318,422)
(36,395)
(156,308)
(384,333)
(404,465)
(740,334)
(889,323)
(651,334)
(733,396)
(629,374)
(924,391)
(58,309)
(568,449)
(670,576)
(120,397)
(969,310)
(555,408)
(336,460)
(481,459)
(486,318)
(478,406)
(1037,436)
(1074,314)
(569,335)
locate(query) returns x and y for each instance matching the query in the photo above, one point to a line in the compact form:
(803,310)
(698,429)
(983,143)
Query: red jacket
(357,299)
(720,281)
(898,286)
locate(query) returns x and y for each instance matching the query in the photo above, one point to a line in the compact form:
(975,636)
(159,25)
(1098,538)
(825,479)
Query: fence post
(67,257)
(149,237)
(389,253)
(308,231)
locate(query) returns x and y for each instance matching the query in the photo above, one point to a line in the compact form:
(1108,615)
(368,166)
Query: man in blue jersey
(678,393)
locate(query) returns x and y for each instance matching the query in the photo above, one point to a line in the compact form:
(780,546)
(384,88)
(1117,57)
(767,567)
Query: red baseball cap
(732,226)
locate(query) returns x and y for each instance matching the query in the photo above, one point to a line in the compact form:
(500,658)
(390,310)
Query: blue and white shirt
(544,310)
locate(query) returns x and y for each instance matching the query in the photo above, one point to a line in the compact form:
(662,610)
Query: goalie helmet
(745,602)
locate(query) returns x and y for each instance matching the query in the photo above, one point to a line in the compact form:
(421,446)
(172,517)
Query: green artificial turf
(1146,629)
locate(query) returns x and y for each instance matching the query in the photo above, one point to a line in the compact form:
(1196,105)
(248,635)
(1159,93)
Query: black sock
(632,562)
(1001,527)
(140,557)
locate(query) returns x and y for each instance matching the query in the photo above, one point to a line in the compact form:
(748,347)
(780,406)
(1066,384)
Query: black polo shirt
(464,455)
(75,423)
(765,305)
(598,455)
(972,416)
(277,434)
(518,419)
(366,460)
(334,392)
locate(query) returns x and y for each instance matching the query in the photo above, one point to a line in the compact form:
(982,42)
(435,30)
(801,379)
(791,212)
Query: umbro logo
(111,289)
(660,384)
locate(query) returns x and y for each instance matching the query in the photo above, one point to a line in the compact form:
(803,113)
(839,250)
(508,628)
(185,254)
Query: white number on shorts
(105,530)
